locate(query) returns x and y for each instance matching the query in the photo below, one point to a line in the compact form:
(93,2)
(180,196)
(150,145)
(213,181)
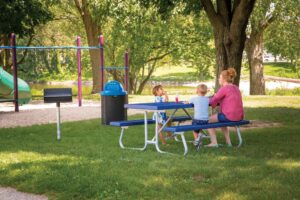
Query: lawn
(286,70)
(89,164)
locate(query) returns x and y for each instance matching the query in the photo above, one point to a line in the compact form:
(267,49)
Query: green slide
(7,88)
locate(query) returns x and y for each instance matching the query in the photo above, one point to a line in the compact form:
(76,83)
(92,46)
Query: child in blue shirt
(160,96)
(201,110)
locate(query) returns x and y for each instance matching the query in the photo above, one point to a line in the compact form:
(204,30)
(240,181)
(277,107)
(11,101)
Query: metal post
(126,71)
(15,70)
(58,120)
(79,72)
(101,42)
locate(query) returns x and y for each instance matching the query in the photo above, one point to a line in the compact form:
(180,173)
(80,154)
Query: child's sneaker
(198,141)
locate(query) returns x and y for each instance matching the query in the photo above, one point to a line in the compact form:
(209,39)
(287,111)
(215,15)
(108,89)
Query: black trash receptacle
(113,98)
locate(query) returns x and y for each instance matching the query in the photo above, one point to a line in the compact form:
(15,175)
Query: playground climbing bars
(13,46)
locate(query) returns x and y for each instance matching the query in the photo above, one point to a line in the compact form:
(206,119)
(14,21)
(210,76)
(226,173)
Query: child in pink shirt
(231,106)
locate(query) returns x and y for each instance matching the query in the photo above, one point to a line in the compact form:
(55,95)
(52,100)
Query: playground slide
(7,88)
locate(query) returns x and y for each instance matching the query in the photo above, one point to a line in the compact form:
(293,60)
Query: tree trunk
(92,32)
(229,20)
(254,50)
(5,54)
(229,52)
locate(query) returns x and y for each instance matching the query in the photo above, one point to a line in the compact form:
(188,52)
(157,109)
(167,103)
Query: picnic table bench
(180,130)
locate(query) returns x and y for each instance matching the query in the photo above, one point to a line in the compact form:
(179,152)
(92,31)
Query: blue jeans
(199,122)
(222,118)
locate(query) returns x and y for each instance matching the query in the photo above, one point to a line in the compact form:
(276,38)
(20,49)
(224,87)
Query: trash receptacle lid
(113,88)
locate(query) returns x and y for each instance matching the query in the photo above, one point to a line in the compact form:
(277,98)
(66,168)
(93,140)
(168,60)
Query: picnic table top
(158,106)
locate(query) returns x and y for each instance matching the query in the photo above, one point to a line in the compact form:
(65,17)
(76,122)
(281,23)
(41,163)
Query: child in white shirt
(201,110)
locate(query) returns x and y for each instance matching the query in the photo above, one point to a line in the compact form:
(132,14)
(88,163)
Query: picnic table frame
(156,108)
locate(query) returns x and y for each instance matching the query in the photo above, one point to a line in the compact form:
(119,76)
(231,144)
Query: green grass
(174,73)
(284,92)
(89,164)
(286,70)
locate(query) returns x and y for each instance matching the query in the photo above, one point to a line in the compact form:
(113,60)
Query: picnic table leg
(239,136)
(169,119)
(157,134)
(183,142)
(145,139)
(186,112)
(121,138)
(121,141)
(146,130)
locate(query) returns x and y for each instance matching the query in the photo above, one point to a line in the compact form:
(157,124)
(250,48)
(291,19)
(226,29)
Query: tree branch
(159,57)
(77,4)
(210,11)
(265,23)
(241,16)
(224,9)
(235,5)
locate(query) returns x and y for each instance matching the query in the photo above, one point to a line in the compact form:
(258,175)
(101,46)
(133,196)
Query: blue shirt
(201,104)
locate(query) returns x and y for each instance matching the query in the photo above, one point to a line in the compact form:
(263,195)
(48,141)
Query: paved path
(7,193)
(39,113)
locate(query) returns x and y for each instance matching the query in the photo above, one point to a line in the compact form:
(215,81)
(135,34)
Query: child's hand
(166,96)
(186,102)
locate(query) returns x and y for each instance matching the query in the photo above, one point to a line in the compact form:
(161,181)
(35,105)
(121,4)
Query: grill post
(58,120)
(57,95)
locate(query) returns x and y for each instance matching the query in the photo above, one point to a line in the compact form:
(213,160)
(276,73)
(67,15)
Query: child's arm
(166,96)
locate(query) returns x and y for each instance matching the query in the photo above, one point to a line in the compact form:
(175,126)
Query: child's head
(227,76)
(158,90)
(202,89)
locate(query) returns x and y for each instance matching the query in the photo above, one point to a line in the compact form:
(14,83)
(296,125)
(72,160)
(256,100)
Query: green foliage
(282,38)
(20,17)
(153,41)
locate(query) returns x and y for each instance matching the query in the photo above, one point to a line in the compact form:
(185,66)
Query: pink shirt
(230,99)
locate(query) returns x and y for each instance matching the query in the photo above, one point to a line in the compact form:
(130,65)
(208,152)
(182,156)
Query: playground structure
(7,88)
(19,89)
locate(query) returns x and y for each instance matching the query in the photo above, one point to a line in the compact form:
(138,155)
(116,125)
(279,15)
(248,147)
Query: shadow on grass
(88,163)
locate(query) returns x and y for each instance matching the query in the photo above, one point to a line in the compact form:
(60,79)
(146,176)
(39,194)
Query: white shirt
(201,104)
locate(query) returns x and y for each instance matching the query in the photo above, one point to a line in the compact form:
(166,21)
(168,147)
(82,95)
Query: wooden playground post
(101,43)
(79,83)
(15,70)
(126,77)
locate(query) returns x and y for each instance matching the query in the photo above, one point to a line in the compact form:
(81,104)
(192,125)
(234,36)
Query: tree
(21,18)
(148,38)
(282,37)
(153,40)
(92,32)
(265,13)
(229,20)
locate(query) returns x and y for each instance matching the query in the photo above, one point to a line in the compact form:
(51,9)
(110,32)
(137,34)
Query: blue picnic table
(177,130)
(154,108)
